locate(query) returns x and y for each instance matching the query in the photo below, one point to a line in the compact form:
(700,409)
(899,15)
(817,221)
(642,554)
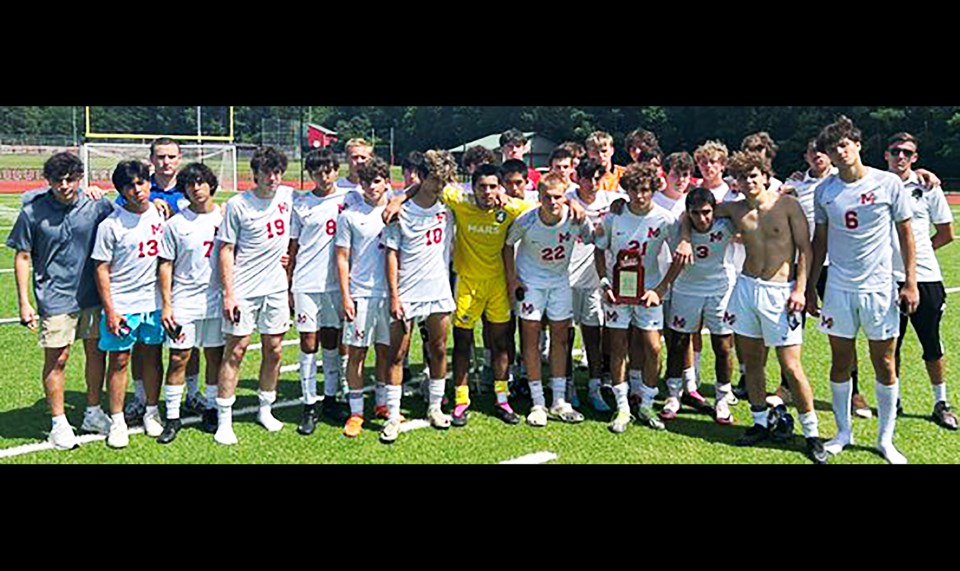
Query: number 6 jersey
(189,241)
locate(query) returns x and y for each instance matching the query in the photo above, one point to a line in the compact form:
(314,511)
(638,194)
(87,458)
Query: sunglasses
(895,151)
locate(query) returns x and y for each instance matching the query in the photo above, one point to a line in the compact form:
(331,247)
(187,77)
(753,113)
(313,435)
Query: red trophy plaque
(628,278)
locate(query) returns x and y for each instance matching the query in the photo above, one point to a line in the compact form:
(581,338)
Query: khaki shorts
(58,331)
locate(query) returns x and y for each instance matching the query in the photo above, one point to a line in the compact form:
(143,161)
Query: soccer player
(359,151)
(679,169)
(642,146)
(928,206)
(766,306)
(125,252)
(584,279)
(55,231)
(363,286)
(641,229)
(513,146)
(474,157)
(538,280)
(561,163)
(410,167)
(577,151)
(856,213)
(191,294)
(253,239)
(600,148)
(315,285)
(418,262)
(763,144)
(700,294)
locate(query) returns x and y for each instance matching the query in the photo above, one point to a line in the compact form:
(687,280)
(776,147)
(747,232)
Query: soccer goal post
(100,159)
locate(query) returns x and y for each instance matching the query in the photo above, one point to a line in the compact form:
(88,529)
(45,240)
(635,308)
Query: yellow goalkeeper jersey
(481,234)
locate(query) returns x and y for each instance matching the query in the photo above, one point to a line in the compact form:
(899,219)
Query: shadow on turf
(34,421)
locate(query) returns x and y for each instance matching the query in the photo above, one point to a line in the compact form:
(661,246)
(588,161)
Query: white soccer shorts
(270,314)
(758,309)
(686,312)
(844,312)
(555,302)
(588,306)
(202,333)
(371,323)
(318,310)
(623,316)
(417,311)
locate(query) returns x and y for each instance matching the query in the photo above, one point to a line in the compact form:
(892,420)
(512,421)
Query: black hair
(559,154)
(512,166)
(512,137)
(486,170)
(321,160)
(62,165)
(268,159)
(588,168)
(414,162)
(194,173)
(127,172)
(832,134)
(700,196)
(375,167)
(162,141)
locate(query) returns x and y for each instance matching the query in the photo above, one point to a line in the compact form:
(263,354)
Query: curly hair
(62,165)
(440,164)
(832,134)
(268,159)
(375,167)
(758,141)
(742,164)
(576,149)
(194,173)
(710,150)
(477,156)
(639,177)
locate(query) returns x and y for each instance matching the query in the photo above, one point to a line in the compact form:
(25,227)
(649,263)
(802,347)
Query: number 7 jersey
(189,241)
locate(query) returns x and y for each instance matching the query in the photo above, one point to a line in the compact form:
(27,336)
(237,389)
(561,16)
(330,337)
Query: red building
(319,137)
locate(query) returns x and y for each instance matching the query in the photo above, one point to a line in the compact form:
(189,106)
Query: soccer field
(690,439)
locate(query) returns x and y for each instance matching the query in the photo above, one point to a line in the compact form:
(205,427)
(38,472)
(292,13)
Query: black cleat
(309,421)
(945,417)
(781,424)
(740,391)
(170,430)
(754,435)
(210,421)
(899,408)
(815,451)
(507,416)
(332,411)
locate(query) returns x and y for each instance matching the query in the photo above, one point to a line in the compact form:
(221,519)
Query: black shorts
(926,321)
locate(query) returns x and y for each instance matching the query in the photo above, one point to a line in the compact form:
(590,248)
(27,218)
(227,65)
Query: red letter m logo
(868,198)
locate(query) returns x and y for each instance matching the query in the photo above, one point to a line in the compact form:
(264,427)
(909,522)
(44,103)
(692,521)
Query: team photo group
(648,262)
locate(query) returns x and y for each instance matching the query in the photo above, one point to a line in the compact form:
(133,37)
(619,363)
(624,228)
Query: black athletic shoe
(170,430)
(507,416)
(899,408)
(462,420)
(740,391)
(944,416)
(754,435)
(309,421)
(521,388)
(210,421)
(332,411)
(815,451)
(781,424)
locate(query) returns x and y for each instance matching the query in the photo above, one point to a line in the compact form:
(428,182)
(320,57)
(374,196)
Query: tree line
(422,127)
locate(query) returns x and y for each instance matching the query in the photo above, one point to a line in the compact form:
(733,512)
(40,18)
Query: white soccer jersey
(805,190)
(647,233)
(724,193)
(929,207)
(189,241)
(130,243)
(259,229)
(543,257)
(860,217)
(360,230)
(676,206)
(583,273)
(710,273)
(421,237)
(314,225)
(343,184)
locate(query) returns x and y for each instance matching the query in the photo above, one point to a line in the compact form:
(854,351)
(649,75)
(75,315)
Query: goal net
(100,159)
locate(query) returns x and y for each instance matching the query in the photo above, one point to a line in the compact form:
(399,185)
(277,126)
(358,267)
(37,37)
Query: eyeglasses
(895,151)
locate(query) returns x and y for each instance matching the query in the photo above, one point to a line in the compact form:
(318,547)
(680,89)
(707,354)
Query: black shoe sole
(306,430)
(746,442)
(167,438)
(507,418)
(460,422)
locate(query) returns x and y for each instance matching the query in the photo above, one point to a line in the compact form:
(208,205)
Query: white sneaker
(118,437)
(63,438)
(537,417)
(837,445)
(437,419)
(225,436)
(390,432)
(891,454)
(267,420)
(95,423)
(152,425)
(566,413)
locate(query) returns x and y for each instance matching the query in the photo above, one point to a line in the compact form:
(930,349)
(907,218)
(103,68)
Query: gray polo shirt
(60,239)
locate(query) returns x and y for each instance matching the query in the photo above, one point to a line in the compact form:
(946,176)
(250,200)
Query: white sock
(690,380)
(267,398)
(620,392)
(308,377)
(760,418)
(887,411)
(59,420)
(356,402)
(647,395)
(437,388)
(696,364)
(939,393)
(172,395)
(536,393)
(393,394)
(139,392)
(117,419)
(331,372)
(380,394)
(723,391)
(559,387)
(842,394)
(193,385)
(674,386)
(810,425)
(91,410)
(636,381)
(225,413)
(212,391)
(594,385)
(151,410)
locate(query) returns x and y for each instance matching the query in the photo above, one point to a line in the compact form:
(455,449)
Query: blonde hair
(441,164)
(598,138)
(710,150)
(552,181)
(358,142)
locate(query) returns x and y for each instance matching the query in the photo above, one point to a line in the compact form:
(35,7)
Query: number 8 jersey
(860,219)
(259,229)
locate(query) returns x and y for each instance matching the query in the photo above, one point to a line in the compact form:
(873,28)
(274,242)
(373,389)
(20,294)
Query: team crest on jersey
(679,321)
(716,237)
(341,207)
(917,193)
(359,335)
(526,308)
(501,216)
(283,207)
(301,319)
(868,198)
(729,318)
(441,216)
(612,316)
(826,321)
(156,229)
(564,237)
(653,233)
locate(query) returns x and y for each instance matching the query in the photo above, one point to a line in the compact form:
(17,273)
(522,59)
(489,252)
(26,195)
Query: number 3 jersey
(130,243)
(259,229)
(543,257)
(421,237)
(711,272)
(860,219)
(189,241)
(314,226)
(646,233)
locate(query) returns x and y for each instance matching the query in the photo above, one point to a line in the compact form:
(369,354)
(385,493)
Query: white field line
(953,289)
(7,271)
(535,458)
